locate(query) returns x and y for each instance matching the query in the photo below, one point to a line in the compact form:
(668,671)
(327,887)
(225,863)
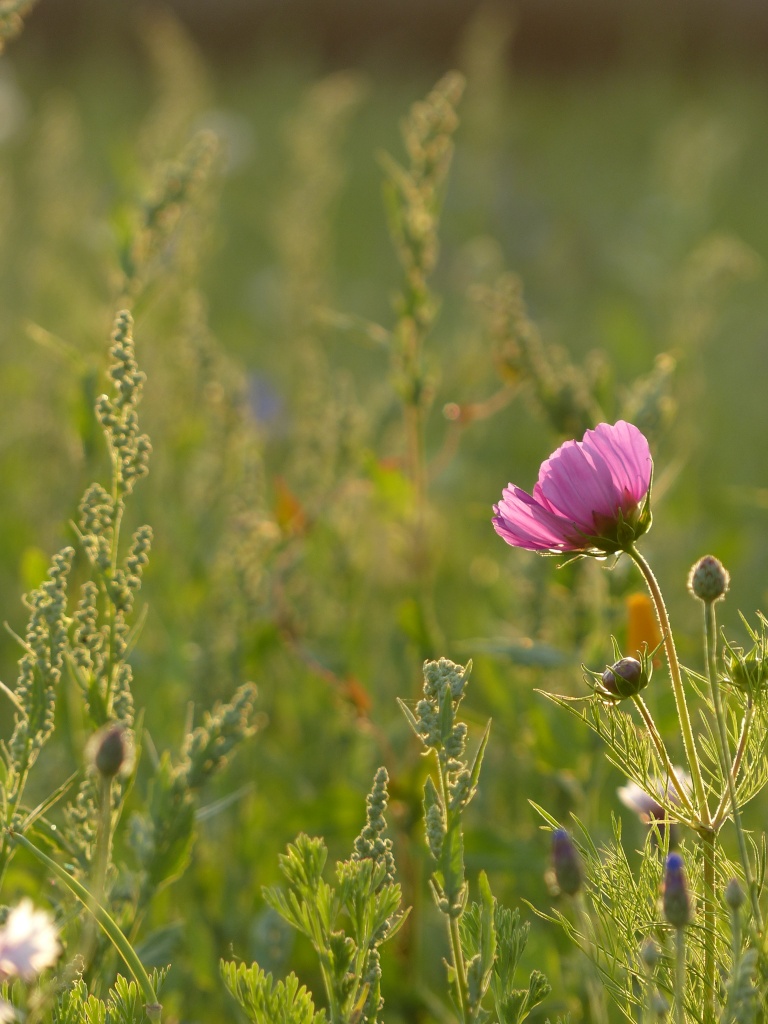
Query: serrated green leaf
(477,764)
(265,1001)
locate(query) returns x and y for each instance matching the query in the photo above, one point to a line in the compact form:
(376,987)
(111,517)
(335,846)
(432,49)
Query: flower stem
(462,986)
(738,757)
(461,970)
(710,634)
(689,743)
(680,976)
(100,864)
(708,839)
(109,926)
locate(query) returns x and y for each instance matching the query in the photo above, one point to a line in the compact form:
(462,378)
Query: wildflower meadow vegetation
(303,372)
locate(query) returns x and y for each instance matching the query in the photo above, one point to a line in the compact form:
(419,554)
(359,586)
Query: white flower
(647,805)
(28,942)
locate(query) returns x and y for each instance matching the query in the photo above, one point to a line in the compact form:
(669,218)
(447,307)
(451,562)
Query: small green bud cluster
(81,817)
(87,651)
(709,579)
(138,557)
(157,836)
(444,684)
(45,643)
(118,417)
(126,579)
(434,827)
(97,515)
(207,747)
(434,722)
(428,136)
(444,674)
(370,845)
(179,183)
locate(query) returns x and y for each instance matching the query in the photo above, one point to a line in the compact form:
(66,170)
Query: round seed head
(709,579)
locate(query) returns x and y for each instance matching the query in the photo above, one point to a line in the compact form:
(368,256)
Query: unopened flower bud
(734,894)
(566,863)
(624,678)
(747,671)
(650,953)
(709,579)
(675,898)
(110,750)
(659,1005)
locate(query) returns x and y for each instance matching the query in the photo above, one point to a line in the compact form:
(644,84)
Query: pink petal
(521,521)
(577,484)
(626,452)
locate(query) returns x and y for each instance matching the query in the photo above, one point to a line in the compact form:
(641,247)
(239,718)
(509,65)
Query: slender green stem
(735,939)
(461,970)
(661,749)
(680,976)
(100,863)
(689,743)
(109,926)
(708,840)
(710,635)
(738,757)
(595,991)
(462,987)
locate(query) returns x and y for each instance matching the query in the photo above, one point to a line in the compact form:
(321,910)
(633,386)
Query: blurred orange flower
(642,626)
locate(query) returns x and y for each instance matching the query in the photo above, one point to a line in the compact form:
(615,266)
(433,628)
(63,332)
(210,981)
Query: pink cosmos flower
(591,496)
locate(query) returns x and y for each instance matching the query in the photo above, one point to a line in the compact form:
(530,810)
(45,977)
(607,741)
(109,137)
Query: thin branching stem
(462,987)
(661,749)
(689,743)
(738,757)
(710,635)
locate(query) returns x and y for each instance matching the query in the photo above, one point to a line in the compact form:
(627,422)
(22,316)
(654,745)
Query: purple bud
(734,894)
(624,678)
(110,750)
(675,899)
(566,863)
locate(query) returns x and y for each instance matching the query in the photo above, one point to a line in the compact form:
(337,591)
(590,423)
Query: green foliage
(493,940)
(365,896)
(265,1001)
(124,1004)
(487,940)
(434,722)
(321,526)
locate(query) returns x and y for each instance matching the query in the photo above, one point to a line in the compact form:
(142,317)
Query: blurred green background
(613,156)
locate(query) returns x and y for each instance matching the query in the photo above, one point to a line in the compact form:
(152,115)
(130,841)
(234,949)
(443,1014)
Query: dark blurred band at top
(551,36)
